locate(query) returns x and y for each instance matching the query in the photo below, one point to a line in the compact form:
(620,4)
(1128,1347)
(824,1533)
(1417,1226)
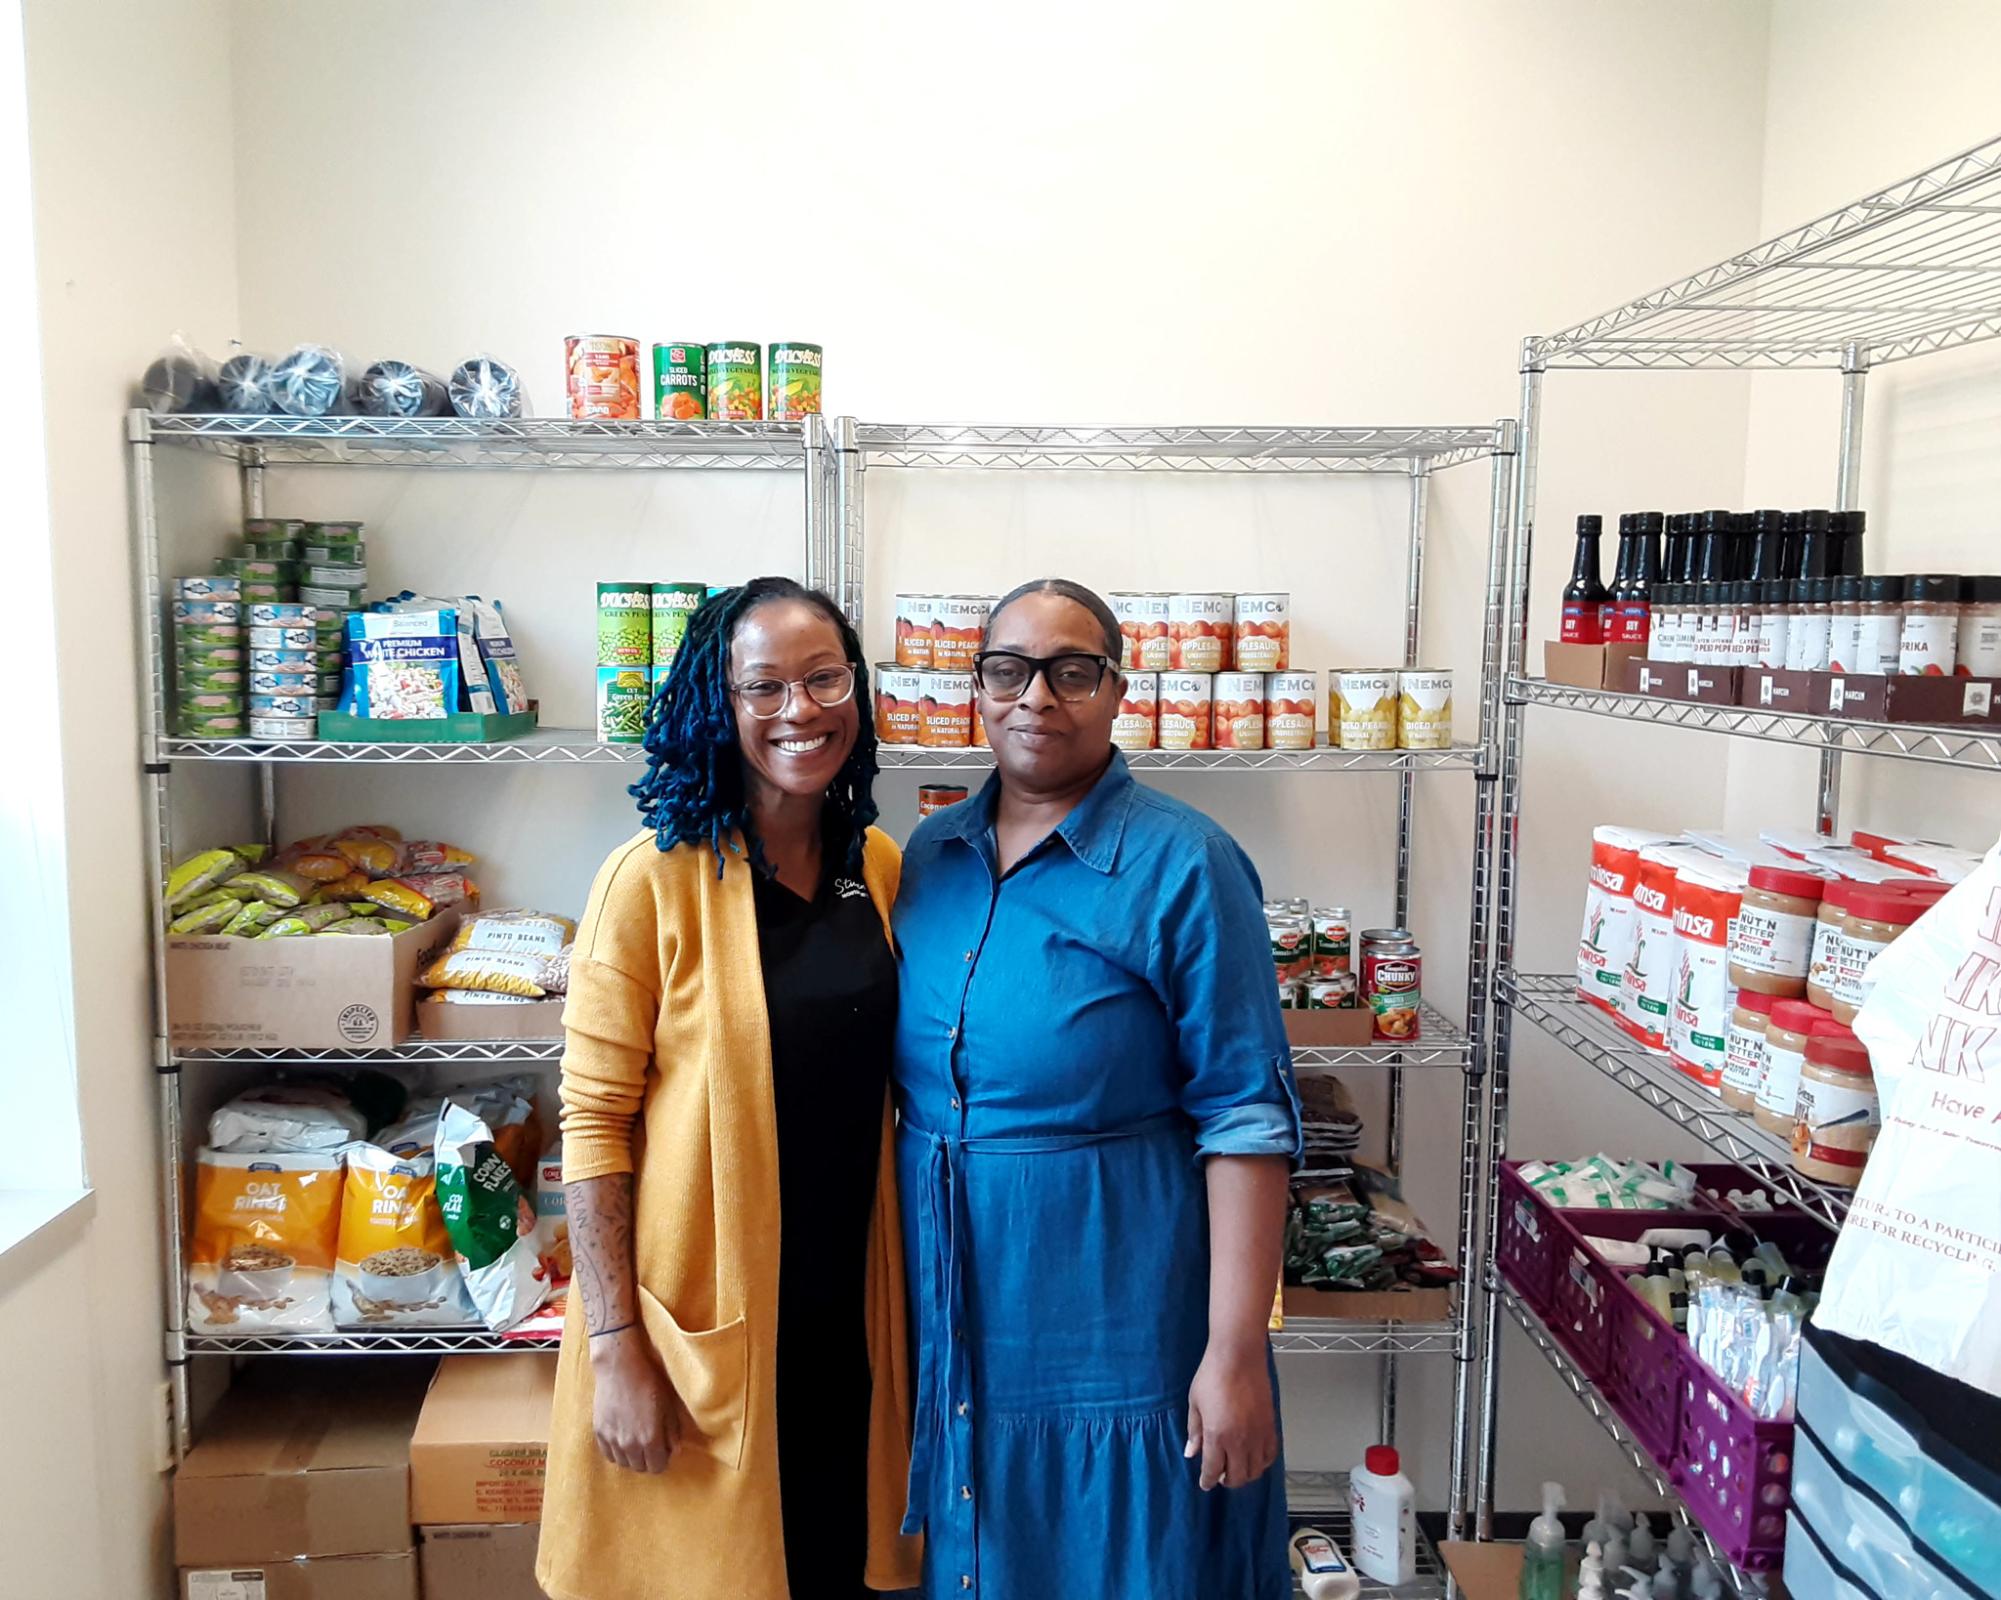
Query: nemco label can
(1263,640)
(795,381)
(680,382)
(897,691)
(736,381)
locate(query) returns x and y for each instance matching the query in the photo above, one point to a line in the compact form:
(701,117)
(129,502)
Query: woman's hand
(1231,1421)
(636,1414)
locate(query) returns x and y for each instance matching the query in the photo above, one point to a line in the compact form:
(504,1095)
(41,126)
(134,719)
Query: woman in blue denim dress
(1097,1120)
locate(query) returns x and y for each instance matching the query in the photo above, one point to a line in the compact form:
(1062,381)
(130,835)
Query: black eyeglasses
(1006,676)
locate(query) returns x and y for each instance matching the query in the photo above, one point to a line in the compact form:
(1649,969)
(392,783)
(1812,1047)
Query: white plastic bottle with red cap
(1383,1516)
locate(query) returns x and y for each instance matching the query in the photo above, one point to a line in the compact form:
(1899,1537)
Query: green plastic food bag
(490,1221)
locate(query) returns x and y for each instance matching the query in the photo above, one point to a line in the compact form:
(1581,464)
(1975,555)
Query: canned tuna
(295,683)
(218,586)
(284,729)
(283,661)
(193,637)
(297,637)
(282,705)
(208,613)
(269,614)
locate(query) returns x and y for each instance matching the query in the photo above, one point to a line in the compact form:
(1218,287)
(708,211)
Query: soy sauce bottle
(1632,598)
(1585,598)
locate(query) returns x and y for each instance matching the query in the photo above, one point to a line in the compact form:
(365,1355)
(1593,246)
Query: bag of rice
(395,1266)
(286,1117)
(265,1230)
(490,1221)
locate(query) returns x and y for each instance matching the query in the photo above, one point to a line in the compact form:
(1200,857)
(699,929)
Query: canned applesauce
(945,710)
(957,622)
(914,616)
(937,796)
(1364,709)
(1263,640)
(1292,704)
(1186,700)
(1238,715)
(1200,626)
(896,693)
(1424,709)
(1143,631)
(1137,724)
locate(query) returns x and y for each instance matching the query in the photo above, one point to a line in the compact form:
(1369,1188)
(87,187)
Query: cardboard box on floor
(310,1459)
(481,1448)
(315,992)
(391,1576)
(480,1561)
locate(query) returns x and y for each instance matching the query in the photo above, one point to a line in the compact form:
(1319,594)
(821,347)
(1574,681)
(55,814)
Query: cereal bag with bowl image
(395,1267)
(491,1221)
(265,1230)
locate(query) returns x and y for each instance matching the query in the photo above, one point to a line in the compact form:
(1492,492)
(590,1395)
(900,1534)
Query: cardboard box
(1678,680)
(1873,698)
(1330,1029)
(312,1459)
(480,1561)
(481,1449)
(1485,1571)
(1384,1305)
(1588,666)
(538,1019)
(389,1576)
(1769,689)
(309,993)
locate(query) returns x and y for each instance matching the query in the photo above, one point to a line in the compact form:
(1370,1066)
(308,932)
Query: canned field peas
(736,381)
(680,382)
(795,381)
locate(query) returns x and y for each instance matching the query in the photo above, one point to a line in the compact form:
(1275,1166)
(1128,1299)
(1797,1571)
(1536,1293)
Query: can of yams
(933,797)
(1238,715)
(1292,701)
(957,623)
(945,710)
(897,689)
(1186,701)
(1137,724)
(915,614)
(603,377)
(1200,626)
(1263,640)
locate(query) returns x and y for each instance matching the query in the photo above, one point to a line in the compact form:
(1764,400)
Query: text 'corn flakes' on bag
(265,1231)
(422,897)
(286,1117)
(490,1221)
(395,1266)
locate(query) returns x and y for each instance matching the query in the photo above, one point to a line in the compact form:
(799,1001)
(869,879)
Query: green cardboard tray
(466,727)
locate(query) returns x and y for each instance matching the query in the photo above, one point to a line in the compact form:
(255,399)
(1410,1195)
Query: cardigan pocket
(710,1373)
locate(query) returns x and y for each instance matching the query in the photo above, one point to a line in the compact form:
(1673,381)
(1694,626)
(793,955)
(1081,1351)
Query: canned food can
(257,591)
(623,694)
(1424,709)
(1291,944)
(945,711)
(602,377)
(282,614)
(1263,639)
(221,585)
(217,680)
(897,690)
(325,532)
(333,555)
(1393,982)
(957,622)
(1143,631)
(625,624)
(296,637)
(1364,709)
(1238,718)
(225,658)
(272,549)
(1333,993)
(282,705)
(680,382)
(283,661)
(1292,705)
(256,569)
(1333,940)
(736,381)
(1137,724)
(211,725)
(915,614)
(334,577)
(304,682)
(1186,702)
(208,613)
(329,599)
(329,686)
(795,381)
(1288,995)
(284,728)
(214,703)
(1199,627)
(673,605)
(264,530)
(200,637)
(935,797)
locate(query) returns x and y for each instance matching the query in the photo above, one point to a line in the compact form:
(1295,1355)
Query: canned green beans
(623,695)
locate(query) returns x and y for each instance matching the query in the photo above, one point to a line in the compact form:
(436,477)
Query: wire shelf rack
(1964,746)
(1745,1584)
(1550,1001)
(1338,1336)
(1321,758)
(537,443)
(981,447)
(1910,269)
(373,1341)
(1441,1042)
(1320,1499)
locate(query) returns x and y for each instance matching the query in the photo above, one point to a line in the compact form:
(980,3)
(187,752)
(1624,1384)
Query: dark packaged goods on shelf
(181,379)
(485,388)
(312,381)
(1711,686)
(1874,698)
(398,389)
(1790,692)
(245,385)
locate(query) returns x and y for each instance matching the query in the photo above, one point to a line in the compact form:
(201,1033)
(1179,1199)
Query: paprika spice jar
(1744,1054)
(1771,940)
(1793,1025)
(1838,1114)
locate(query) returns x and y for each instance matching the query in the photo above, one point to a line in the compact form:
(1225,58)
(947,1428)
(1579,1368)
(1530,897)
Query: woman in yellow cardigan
(732,1417)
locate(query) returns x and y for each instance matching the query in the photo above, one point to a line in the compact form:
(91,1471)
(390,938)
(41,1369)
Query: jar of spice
(1744,1052)
(1775,618)
(1830,922)
(1876,919)
(1702,624)
(1879,622)
(1806,637)
(1844,611)
(1771,941)
(1748,608)
(1838,1116)
(1928,645)
(1793,1024)
(1980,629)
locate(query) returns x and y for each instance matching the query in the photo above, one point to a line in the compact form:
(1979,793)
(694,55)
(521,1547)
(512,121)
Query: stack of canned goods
(724,381)
(208,657)
(925,696)
(1312,950)
(1371,709)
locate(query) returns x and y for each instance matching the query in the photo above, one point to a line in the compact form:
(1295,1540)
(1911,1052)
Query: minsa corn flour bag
(263,1249)
(395,1267)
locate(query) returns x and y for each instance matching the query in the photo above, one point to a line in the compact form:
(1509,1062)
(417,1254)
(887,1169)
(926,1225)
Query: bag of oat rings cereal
(491,1222)
(262,1254)
(297,1117)
(395,1266)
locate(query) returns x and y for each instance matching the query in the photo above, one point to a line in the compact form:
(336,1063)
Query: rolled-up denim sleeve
(1216,976)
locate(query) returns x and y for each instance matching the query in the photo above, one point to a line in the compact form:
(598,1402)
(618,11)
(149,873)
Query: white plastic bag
(492,1224)
(1918,1267)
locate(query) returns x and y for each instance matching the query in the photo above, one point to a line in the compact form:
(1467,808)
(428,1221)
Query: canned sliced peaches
(1263,641)
(1238,716)
(1137,723)
(1292,708)
(1186,702)
(1424,710)
(1363,706)
(1200,626)
(957,621)
(979,727)
(945,710)
(914,616)
(896,693)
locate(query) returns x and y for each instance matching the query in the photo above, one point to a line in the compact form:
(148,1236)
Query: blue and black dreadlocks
(693,791)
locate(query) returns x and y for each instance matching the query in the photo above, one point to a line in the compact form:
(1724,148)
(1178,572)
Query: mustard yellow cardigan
(667,1075)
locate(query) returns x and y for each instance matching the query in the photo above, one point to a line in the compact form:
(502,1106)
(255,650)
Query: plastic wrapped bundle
(483,387)
(181,379)
(245,385)
(398,389)
(310,382)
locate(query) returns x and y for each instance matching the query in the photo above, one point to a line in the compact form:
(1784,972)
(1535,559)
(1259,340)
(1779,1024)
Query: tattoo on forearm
(600,1214)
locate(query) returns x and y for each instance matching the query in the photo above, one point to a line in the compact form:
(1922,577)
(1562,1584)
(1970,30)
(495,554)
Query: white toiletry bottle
(1383,1517)
(1316,1560)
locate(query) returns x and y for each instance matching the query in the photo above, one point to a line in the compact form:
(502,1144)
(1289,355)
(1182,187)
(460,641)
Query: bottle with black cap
(1712,548)
(1847,559)
(1622,569)
(1791,535)
(1807,634)
(1817,555)
(1743,529)
(1585,597)
(1766,552)
(1678,562)
(1632,602)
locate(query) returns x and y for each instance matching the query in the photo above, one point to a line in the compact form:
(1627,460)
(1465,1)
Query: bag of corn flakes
(395,1266)
(265,1231)
(491,1222)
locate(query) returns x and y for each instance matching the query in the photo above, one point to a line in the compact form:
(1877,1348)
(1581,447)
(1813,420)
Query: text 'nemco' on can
(897,689)
(623,694)
(1237,717)
(1362,709)
(957,623)
(1201,627)
(1186,702)
(945,711)
(1393,982)
(794,372)
(1263,638)
(625,624)
(673,605)
(680,382)
(1424,709)
(602,377)
(915,614)
(1137,724)
(736,381)
(933,797)
(1292,708)
(1143,638)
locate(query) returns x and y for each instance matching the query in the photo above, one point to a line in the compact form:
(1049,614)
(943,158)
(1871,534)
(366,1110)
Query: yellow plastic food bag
(395,1266)
(199,872)
(273,885)
(211,918)
(418,898)
(265,1230)
(306,919)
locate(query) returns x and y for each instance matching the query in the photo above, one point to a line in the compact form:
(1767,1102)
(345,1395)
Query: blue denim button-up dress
(1072,1039)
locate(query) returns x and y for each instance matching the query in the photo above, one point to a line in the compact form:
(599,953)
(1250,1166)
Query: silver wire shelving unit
(856,450)
(1912,269)
(1320,1500)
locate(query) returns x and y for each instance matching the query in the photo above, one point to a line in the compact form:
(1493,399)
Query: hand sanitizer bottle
(1543,1554)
